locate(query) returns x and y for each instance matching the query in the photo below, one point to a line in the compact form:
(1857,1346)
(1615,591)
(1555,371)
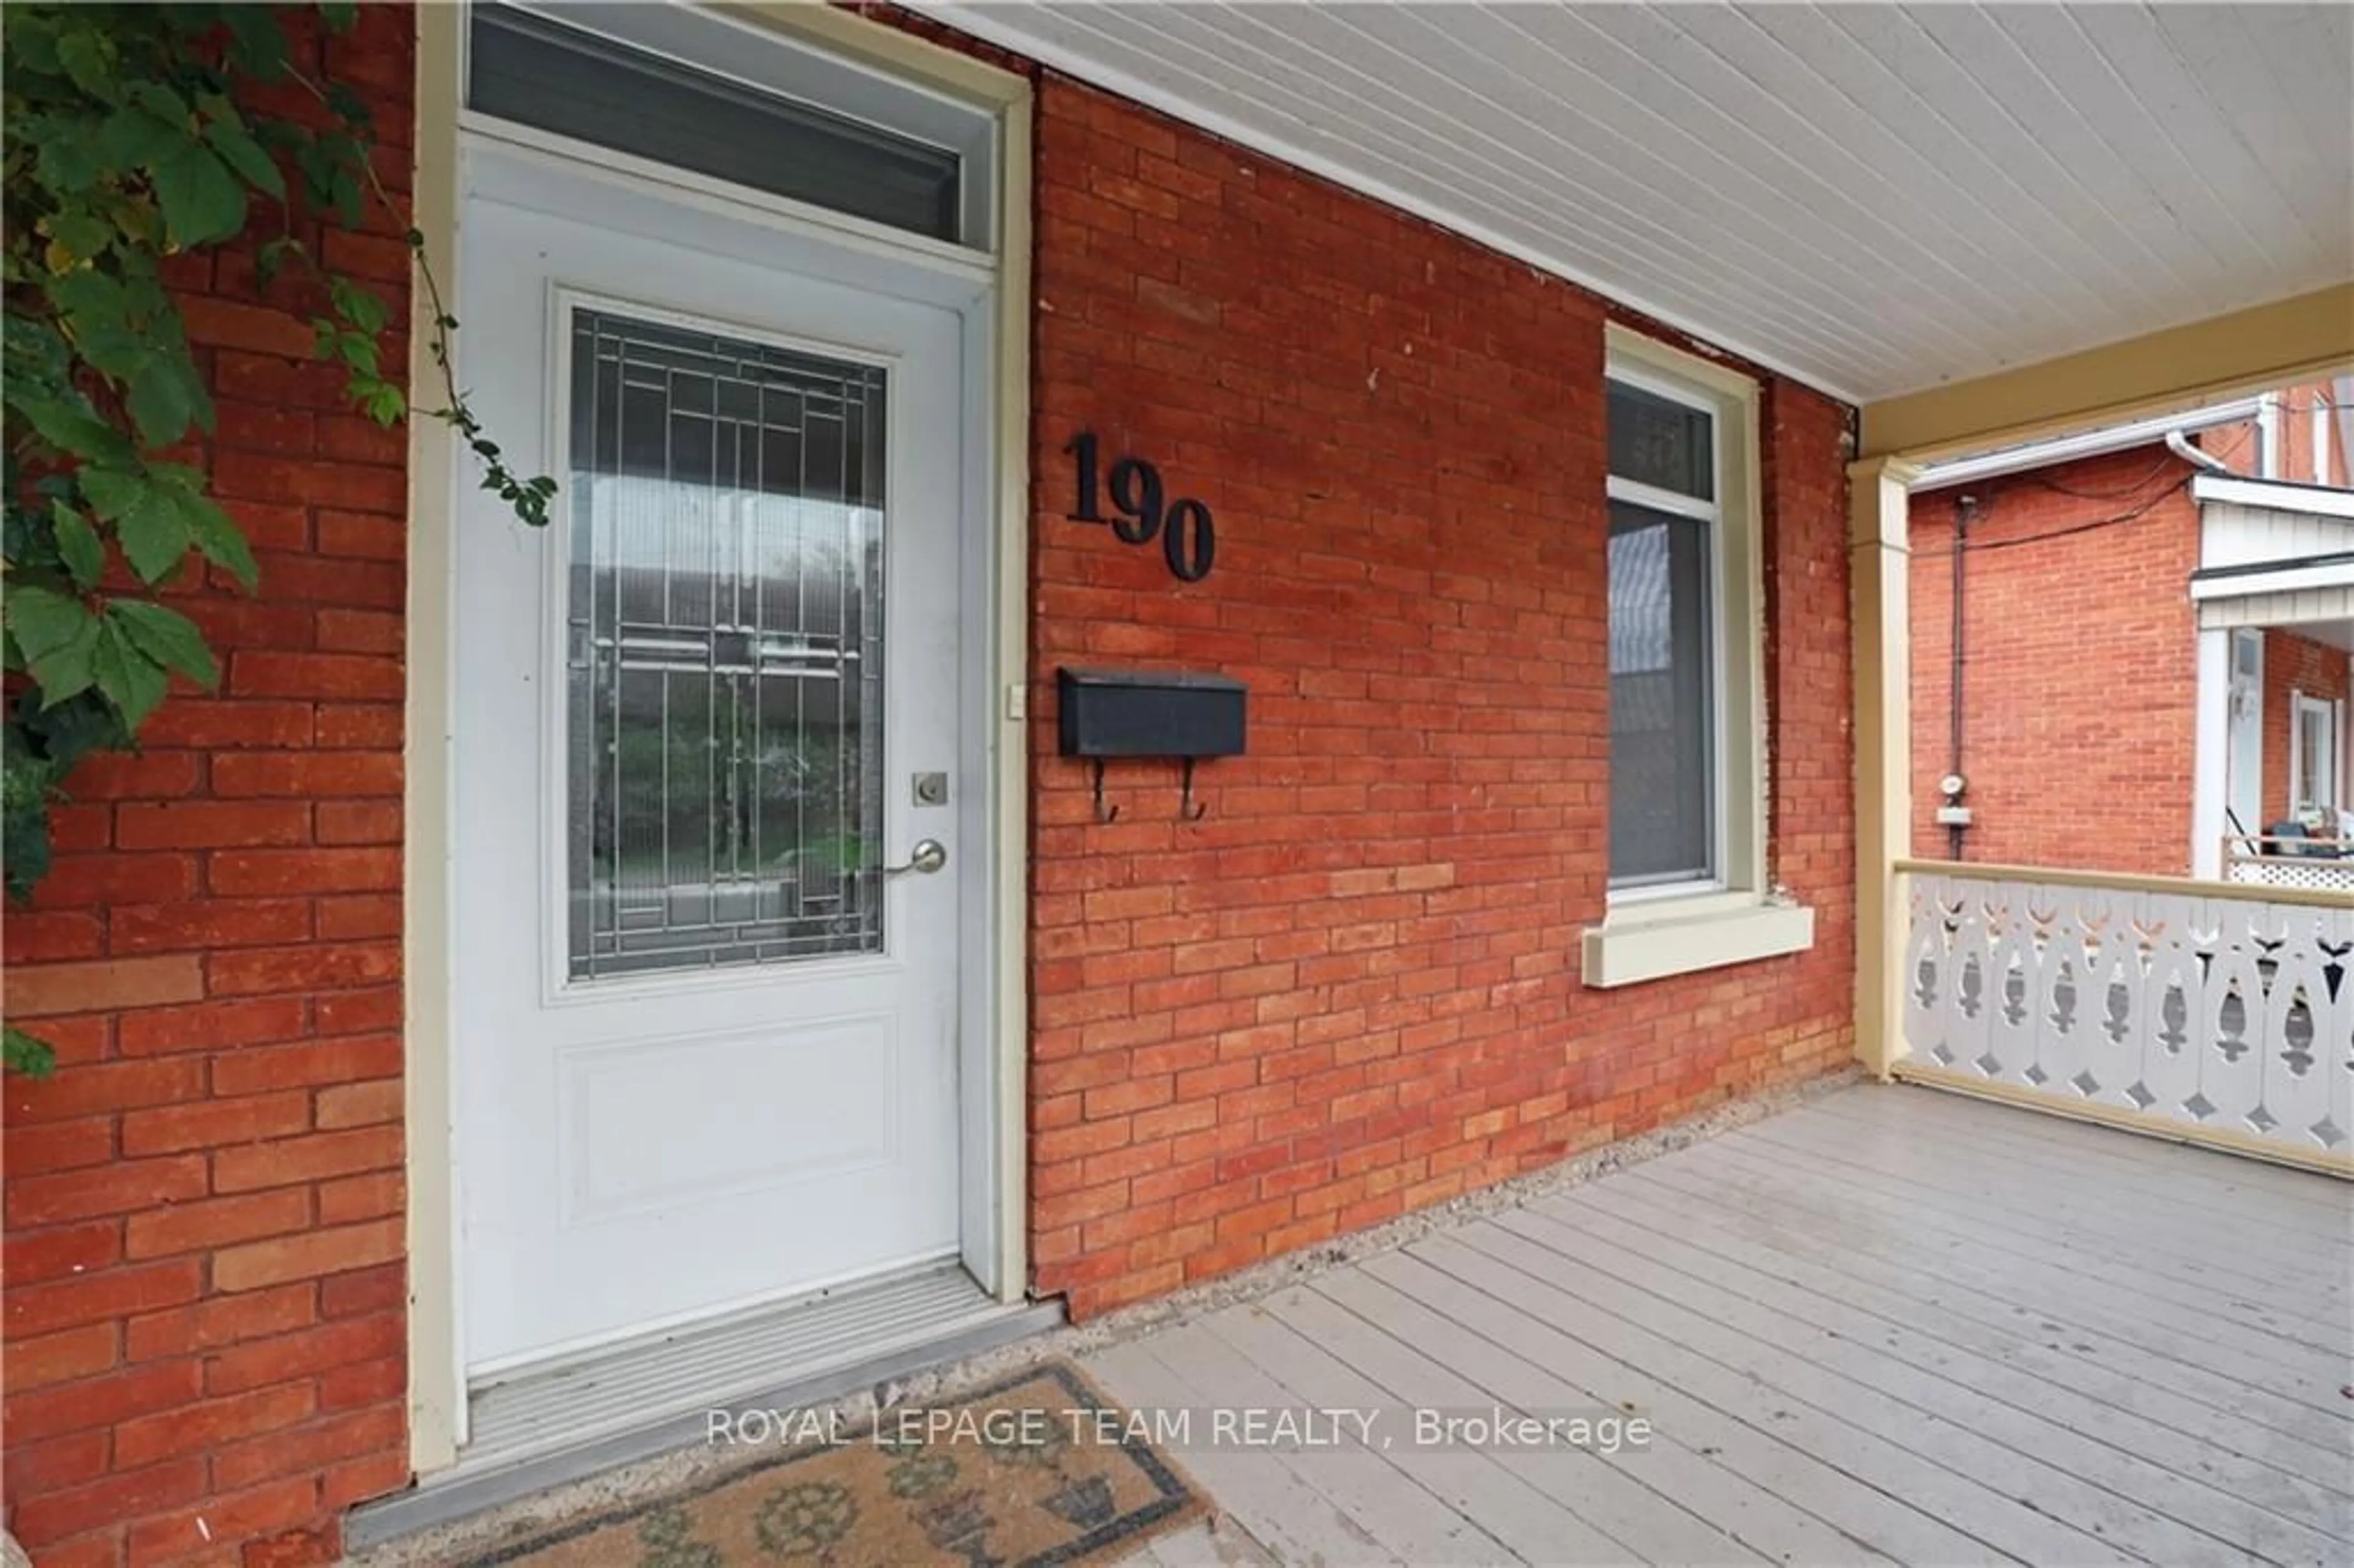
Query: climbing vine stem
(134,137)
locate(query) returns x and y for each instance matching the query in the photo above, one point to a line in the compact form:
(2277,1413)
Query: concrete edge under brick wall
(649,1479)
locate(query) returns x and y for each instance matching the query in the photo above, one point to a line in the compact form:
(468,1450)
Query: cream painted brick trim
(1628,952)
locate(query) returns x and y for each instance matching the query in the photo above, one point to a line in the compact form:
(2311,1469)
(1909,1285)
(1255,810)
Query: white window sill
(1655,938)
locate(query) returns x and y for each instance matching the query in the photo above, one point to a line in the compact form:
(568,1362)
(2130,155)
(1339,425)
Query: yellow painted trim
(2265,347)
(888,50)
(1666,357)
(2173,886)
(2328,1164)
(436,1393)
(1881,629)
(1010,735)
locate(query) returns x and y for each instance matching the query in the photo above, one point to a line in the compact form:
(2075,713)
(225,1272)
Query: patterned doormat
(1036,1470)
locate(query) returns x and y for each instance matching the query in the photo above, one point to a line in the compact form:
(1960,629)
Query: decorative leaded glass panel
(725,650)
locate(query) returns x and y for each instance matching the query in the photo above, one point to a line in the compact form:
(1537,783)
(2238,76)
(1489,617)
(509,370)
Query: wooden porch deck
(1893,1326)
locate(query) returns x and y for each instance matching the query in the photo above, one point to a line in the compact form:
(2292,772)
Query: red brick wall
(2081,682)
(1352,989)
(2294,663)
(2296,434)
(2333,436)
(204,1217)
(2241,445)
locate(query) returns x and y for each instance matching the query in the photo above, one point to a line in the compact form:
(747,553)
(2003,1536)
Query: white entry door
(704,1039)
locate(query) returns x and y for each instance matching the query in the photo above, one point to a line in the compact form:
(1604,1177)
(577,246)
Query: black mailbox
(1151,713)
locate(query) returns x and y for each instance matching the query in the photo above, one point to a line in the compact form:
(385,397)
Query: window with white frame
(2313,754)
(1687,887)
(1668,636)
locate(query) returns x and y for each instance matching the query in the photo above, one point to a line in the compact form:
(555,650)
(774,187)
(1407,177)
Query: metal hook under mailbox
(1101,815)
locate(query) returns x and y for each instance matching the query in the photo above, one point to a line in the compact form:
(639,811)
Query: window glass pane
(1663,768)
(2316,757)
(543,73)
(726,655)
(1656,441)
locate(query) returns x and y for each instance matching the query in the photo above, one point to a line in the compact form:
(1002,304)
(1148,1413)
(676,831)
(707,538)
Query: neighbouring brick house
(546,951)
(2092,568)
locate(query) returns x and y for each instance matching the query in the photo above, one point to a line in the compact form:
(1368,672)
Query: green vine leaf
(83,235)
(363,311)
(125,675)
(70,159)
(164,399)
(218,540)
(238,148)
(202,201)
(132,138)
(147,520)
(379,400)
(165,102)
(57,637)
(86,58)
(78,545)
(131,135)
(69,426)
(256,41)
(166,638)
(28,1055)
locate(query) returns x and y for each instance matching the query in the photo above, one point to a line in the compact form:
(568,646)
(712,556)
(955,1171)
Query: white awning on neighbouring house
(2275,554)
(2323,612)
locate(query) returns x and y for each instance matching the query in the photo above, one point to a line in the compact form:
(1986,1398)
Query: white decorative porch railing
(2221,1012)
(2255,861)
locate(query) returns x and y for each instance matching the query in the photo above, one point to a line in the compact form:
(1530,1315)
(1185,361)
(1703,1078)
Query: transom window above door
(686,90)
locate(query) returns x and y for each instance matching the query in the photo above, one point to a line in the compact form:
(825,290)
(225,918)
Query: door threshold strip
(537,1430)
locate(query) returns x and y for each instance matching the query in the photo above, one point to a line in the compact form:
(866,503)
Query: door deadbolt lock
(931,788)
(928,856)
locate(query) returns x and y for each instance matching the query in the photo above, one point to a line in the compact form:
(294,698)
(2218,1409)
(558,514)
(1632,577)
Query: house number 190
(1189,538)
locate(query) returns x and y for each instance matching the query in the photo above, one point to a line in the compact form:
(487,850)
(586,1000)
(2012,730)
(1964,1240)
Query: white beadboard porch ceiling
(1873,198)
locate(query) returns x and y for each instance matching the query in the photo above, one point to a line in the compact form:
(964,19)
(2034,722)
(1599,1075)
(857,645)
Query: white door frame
(2248,722)
(2211,752)
(2218,781)
(994,1203)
